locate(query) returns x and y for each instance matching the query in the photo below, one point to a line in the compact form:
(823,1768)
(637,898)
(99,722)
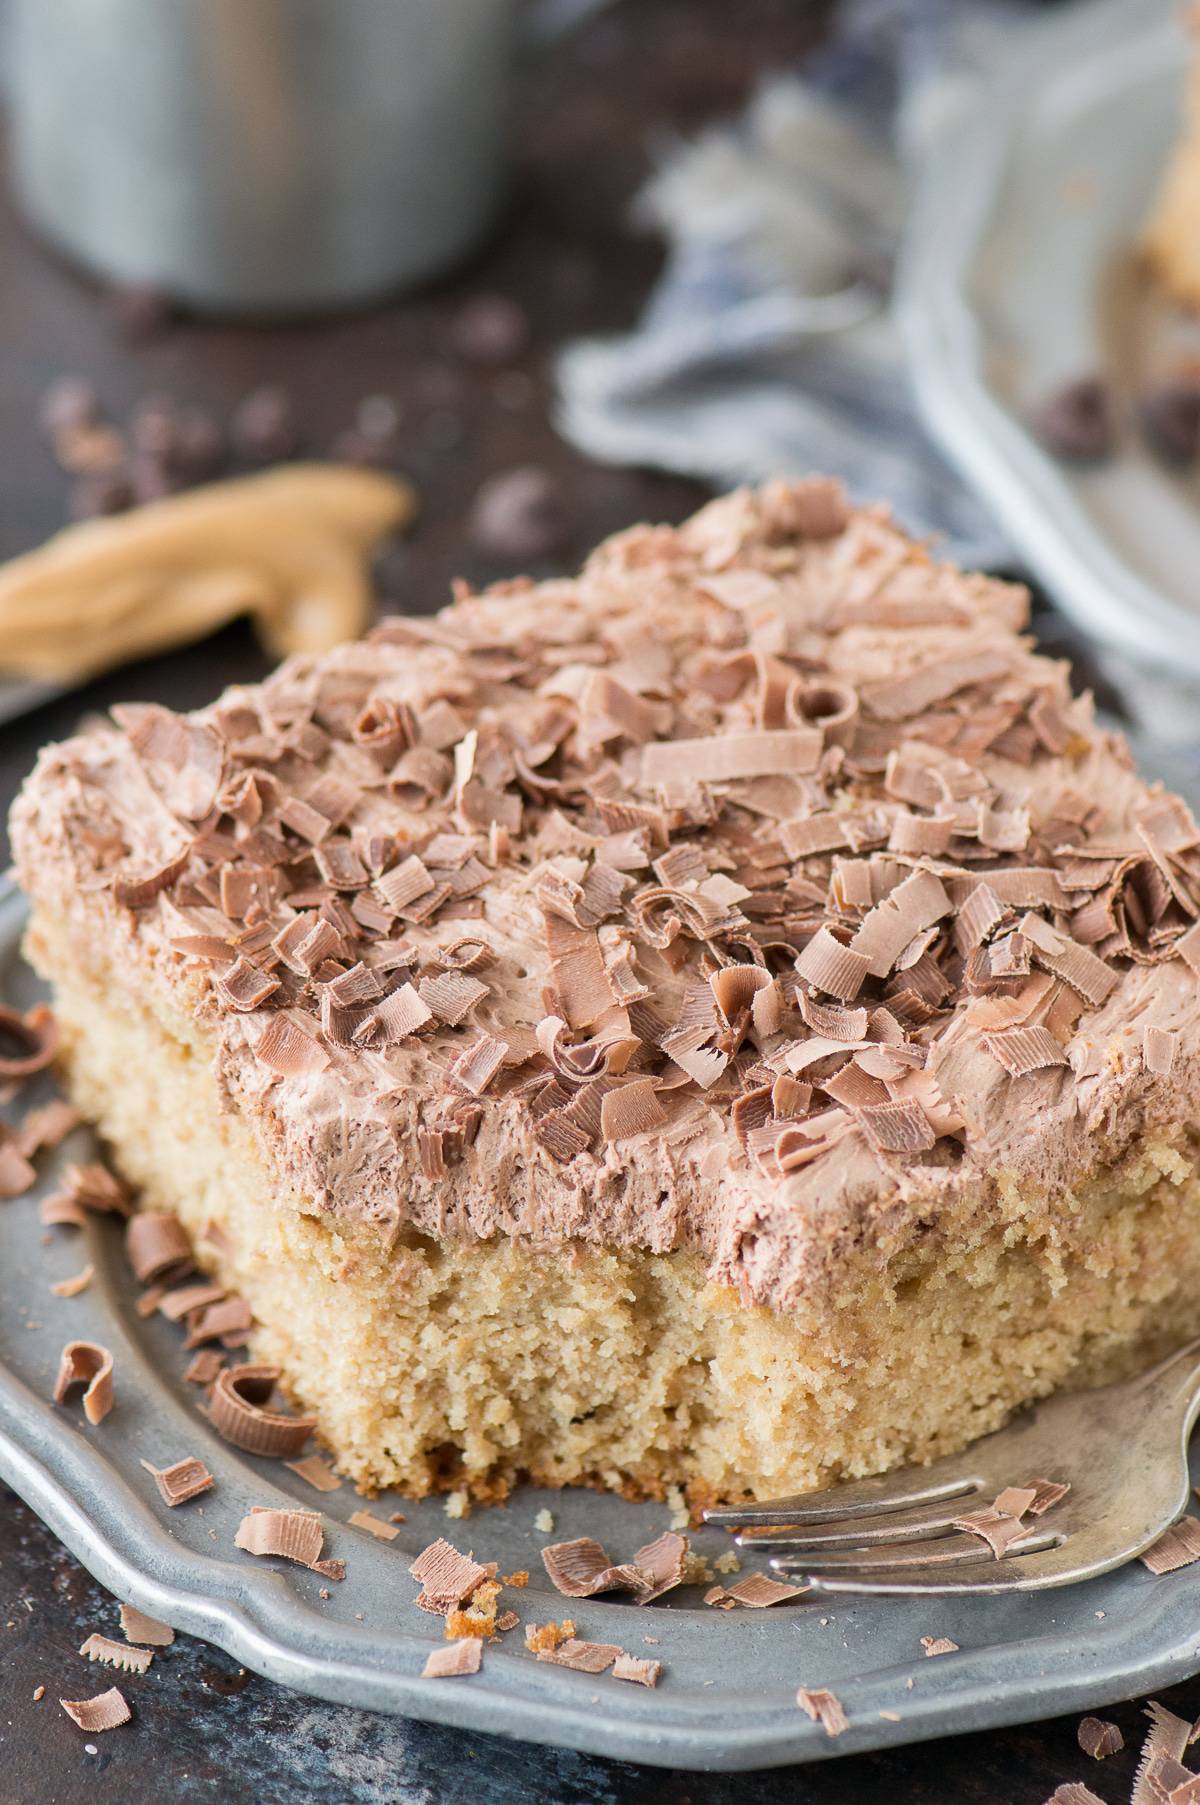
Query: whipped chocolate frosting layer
(759,890)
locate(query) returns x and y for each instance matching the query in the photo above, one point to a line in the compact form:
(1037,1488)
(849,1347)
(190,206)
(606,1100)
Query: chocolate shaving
(758,1592)
(446,1577)
(662,1564)
(1022,1050)
(157,1246)
(28,1043)
(997,1529)
(454,1659)
(385,1532)
(94,1188)
(185,1299)
(474,1069)
(244,986)
(107,1711)
(227,1320)
(1074,1792)
(73,1286)
(727,757)
(315,1472)
(16,1173)
(1158,1050)
(581,1568)
(1099,1738)
(584,1657)
(916,903)
(204,1366)
(292,1535)
(828,965)
(117,1654)
(46,1126)
(88,1364)
(824,1708)
(1176,1547)
(137,1627)
(239,1415)
(185,1479)
(642,1672)
(939,1645)
(630,1110)
(290,1048)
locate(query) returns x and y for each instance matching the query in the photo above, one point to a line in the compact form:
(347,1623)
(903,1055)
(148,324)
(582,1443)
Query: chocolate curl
(237,1413)
(28,1042)
(86,1363)
(104,1712)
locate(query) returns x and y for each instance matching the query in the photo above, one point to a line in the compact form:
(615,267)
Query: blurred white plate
(1019,273)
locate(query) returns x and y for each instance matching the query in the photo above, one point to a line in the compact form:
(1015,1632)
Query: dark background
(204,1729)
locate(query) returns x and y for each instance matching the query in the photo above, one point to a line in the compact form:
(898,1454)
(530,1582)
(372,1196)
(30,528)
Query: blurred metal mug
(268,155)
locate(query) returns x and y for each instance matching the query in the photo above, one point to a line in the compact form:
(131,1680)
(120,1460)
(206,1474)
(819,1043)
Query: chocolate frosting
(760,890)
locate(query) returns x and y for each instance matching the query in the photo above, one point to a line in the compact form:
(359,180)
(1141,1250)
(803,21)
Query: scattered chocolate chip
(518,514)
(490,329)
(1076,421)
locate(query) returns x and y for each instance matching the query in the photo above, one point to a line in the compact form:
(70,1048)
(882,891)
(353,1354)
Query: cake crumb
(520,1578)
(727,1563)
(544,1522)
(39,1693)
(458,1505)
(680,1514)
(540,1637)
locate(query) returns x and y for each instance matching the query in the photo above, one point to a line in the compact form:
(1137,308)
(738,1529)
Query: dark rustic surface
(203,1729)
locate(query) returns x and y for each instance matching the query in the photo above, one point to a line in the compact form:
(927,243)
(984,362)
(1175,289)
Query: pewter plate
(727,1698)
(1020,272)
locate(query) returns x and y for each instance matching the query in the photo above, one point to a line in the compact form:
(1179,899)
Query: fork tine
(1029,1572)
(926,1523)
(904,1561)
(862,1498)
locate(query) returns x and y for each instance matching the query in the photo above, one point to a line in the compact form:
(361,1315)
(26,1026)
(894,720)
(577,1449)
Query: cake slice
(728,1020)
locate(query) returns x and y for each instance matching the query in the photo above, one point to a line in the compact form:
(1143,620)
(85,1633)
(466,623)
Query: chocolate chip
(67,404)
(1076,422)
(1170,417)
(263,428)
(490,329)
(519,514)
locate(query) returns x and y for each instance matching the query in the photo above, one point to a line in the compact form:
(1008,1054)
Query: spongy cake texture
(728,1018)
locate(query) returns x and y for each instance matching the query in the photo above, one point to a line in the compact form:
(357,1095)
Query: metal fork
(1122,1449)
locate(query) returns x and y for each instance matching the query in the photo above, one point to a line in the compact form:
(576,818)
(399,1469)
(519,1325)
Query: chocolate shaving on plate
(45,1126)
(759,1592)
(362,1519)
(16,1172)
(584,1657)
(294,1535)
(138,1627)
(454,1660)
(637,1668)
(28,1043)
(94,1188)
(1176,1547)
(204,1366)
(1167,1737)
(106,1711)
(117,1654)
(1099,1738)
(237,1409)
(157,1246)
(88,1364)
(824,1708)
(315,1472)
(184,1479)
(180,1302)
(73,1286)
(581,1568)
(446,1576)
(1074,1792)
(939,1645)
(662,1564)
